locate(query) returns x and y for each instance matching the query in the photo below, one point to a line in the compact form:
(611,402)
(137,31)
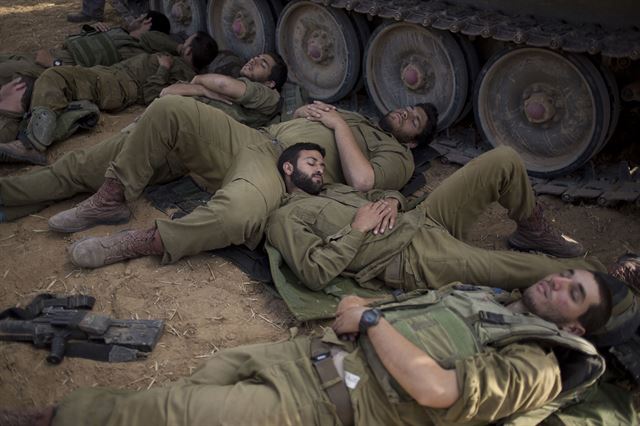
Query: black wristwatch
(57,62)
(369,318)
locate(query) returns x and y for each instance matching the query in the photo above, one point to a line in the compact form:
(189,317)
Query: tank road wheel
(186,16)
(554,110)
(473,70)
(246,27)
(320,46)
(407,64)
(614,100)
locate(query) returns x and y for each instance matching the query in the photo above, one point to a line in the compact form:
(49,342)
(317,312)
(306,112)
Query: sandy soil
(208,304)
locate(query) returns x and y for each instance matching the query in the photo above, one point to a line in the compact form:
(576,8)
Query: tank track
(606,186)
(523,30)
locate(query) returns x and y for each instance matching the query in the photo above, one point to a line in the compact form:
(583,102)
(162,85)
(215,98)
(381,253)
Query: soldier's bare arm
(356,168)
(418,374)
(226,86)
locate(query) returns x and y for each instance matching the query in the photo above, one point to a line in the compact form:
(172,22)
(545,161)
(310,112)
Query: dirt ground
(208,304)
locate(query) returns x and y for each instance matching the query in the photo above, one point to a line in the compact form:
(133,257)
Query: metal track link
(524,30)
(606,186)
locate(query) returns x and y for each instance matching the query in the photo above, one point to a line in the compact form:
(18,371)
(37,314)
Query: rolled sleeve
(496,384)
(259,97)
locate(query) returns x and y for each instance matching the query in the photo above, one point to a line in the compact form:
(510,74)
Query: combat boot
(627,270)
(536,234)
(99,251)
(105,207)
(20,152)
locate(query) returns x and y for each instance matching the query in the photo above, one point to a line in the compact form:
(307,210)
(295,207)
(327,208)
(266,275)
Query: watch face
(370,317)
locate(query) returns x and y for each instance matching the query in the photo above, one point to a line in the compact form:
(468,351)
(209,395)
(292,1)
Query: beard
(385,123)
(306,183)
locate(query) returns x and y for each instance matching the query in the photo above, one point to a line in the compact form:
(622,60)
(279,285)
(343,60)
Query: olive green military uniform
(135,80)
(177,135)
(239,163)
(28,193)
(277,384)
(255,108)
(89,49)
(9,125)
(425,247)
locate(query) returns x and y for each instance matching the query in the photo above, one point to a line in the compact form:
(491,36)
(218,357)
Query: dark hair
(203,50)
(432,124)
(290,155)
(279,71)
(159,22)
(598,315)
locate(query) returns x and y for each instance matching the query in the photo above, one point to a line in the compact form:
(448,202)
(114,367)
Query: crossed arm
(214,86)
(484,387)
(408,364)
(356,168)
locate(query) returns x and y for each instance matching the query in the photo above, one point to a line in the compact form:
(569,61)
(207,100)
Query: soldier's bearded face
(309,183)
(308,172)
(562,298)
(405,123)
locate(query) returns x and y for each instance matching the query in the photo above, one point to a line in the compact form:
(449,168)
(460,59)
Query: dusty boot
(95,252)
(627,270)
(536,234)
(107,206)
(18,152)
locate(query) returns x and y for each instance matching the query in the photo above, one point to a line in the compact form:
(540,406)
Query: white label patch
(351,380)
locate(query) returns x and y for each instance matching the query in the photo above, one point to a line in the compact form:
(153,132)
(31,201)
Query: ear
(574,328)
(287,167)
(270,84)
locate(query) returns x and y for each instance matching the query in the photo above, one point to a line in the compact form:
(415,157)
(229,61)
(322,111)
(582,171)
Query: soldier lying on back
(437,358)
(135,80)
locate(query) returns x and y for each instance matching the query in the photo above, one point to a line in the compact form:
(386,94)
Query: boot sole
(69,230)
(514,244)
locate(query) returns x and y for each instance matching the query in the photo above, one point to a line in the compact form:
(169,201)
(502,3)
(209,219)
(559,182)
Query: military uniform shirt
(151,77)
(255,108)
(315,238)
(392,162)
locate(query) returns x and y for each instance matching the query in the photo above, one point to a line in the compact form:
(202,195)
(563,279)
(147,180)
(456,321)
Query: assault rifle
(79,332)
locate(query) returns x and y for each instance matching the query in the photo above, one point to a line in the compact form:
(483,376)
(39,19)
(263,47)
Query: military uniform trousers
(437,255)
(110,89)
(176,136)
(271,384)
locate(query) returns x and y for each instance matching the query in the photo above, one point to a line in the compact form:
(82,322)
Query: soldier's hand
(390,217)
(349,302)
(44,58)
(324,113)
(14,86)
(370,216)
(101,27)
(348,321)
(165,61)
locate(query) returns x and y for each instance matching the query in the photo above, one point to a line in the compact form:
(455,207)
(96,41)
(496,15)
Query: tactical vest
(93,49)
(459,321)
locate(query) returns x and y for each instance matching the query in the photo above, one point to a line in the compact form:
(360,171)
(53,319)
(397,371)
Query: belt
(332,383)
